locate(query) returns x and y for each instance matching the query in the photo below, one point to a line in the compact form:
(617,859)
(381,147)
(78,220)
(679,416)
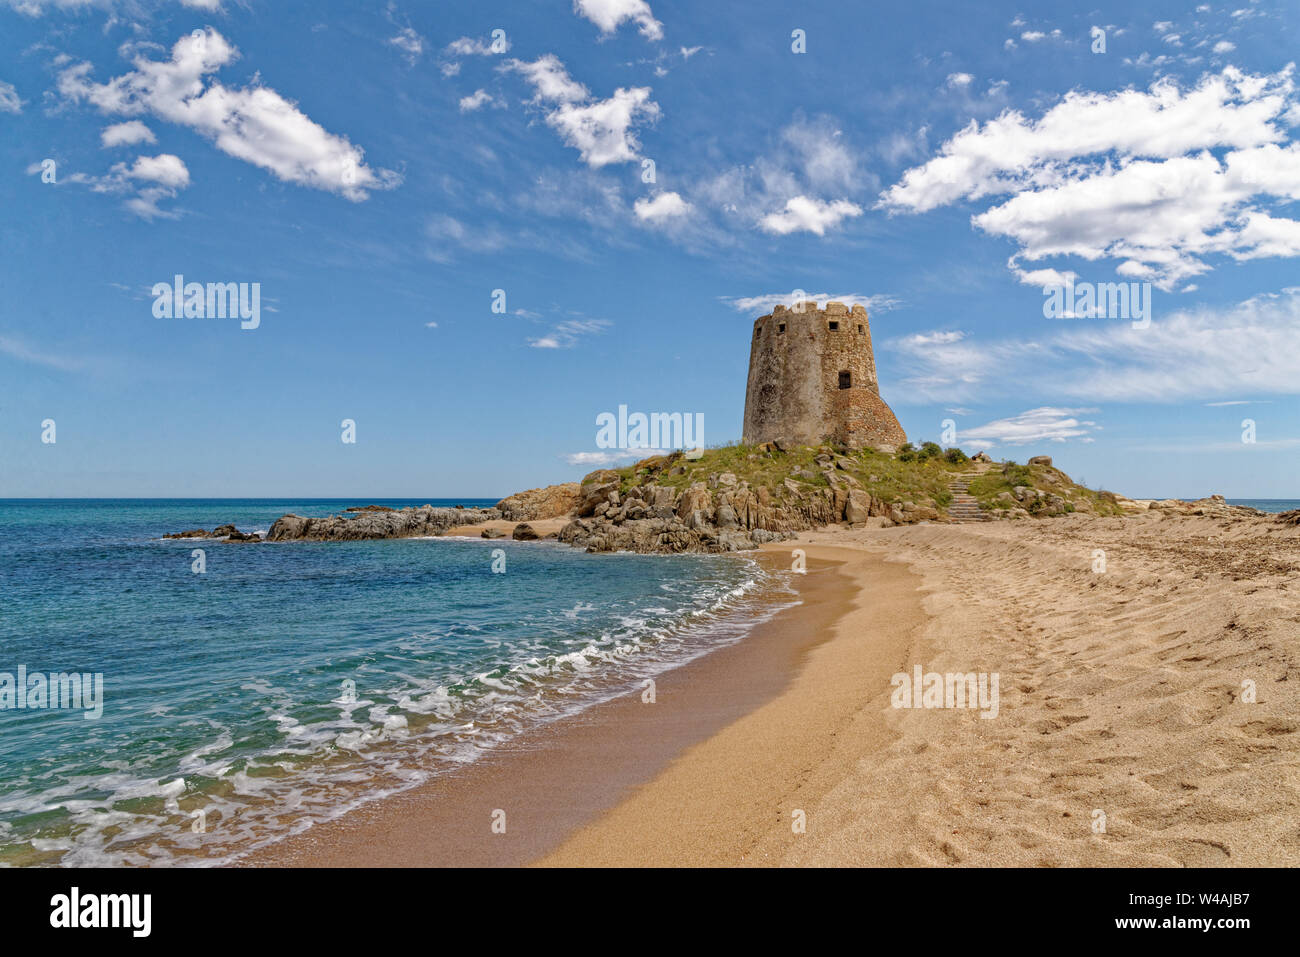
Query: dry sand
(1121,694)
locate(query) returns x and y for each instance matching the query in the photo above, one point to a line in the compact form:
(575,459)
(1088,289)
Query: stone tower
(812,379)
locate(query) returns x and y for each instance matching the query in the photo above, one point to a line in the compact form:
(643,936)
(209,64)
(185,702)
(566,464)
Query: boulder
(857,507)
(493,533)
(1041,460)
(593,494)
(524,533)
(553,501)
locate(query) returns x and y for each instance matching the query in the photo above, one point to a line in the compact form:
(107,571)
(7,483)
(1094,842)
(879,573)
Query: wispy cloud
(1044,424)
(566,334)
(767,301)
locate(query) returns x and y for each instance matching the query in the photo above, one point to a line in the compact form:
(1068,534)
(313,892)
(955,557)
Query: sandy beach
(1128,652)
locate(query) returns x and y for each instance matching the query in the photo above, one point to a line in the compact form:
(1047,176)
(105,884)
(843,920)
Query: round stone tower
(812,379)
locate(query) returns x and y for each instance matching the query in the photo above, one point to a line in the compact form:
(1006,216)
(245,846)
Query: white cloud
(473,46)
(476,100)
(612,457)
(1044,424)
(960,79)
(1224,46)
(164,169)
(1194,354)
(255,124)
(150,178)
(802,213)
(549,79)
(934,338)
(126,134)
(566,334)
(1033,36)
(608,14)
(410,43)
(10,102)
(601,130)
(1129,175)
(213,6)
(16,349)
(663,207)
(756,305)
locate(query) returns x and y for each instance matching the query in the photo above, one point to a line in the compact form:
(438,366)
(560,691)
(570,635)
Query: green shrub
(956,456)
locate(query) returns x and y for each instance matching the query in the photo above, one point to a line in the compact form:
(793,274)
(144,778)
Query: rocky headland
(740,497)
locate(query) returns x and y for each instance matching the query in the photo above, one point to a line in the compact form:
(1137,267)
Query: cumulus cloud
(661,208)
(1129,175)
(608,14)
(1044,424)
(802,184)
(151,179)
(602,131)
(126,134)
(803,213)
(475,101)
(255,124)
(410,43)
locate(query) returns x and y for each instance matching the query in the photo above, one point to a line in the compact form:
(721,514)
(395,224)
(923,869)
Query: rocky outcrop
(227,533)
(554,501)
(722,514)
(1215,506)
(524,532)
(400,523)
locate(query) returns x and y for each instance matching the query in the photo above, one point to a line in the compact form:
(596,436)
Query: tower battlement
(812,378)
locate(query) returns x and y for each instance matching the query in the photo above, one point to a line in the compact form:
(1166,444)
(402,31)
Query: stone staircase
(965,507)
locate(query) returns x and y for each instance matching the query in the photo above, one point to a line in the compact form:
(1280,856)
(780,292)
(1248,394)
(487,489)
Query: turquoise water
(291,681)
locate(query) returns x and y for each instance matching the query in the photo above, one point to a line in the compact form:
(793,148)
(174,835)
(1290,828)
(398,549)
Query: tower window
(846,380)
(833,326)
(758,331)
(862,330)
(780,327)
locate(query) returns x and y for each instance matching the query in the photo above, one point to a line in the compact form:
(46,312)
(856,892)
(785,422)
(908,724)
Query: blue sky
(381,172)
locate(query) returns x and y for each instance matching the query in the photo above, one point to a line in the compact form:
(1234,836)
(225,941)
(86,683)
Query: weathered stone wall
(794,393)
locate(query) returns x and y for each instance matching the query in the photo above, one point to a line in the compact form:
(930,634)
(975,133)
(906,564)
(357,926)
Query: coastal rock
(553,501)
(857,507)
(403,523)
(493,533)
(1041,460)
(524,533)
(595,493)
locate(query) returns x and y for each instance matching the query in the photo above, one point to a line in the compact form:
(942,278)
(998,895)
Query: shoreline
(552,780)
(1146,719)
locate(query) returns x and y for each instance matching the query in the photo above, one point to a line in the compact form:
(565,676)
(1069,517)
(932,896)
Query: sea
(248,691)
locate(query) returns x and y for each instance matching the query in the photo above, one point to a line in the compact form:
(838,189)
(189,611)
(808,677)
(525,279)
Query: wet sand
(551,781)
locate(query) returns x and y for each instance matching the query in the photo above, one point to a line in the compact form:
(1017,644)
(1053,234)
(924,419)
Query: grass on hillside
(911,475)
(918,475)
(987,487)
